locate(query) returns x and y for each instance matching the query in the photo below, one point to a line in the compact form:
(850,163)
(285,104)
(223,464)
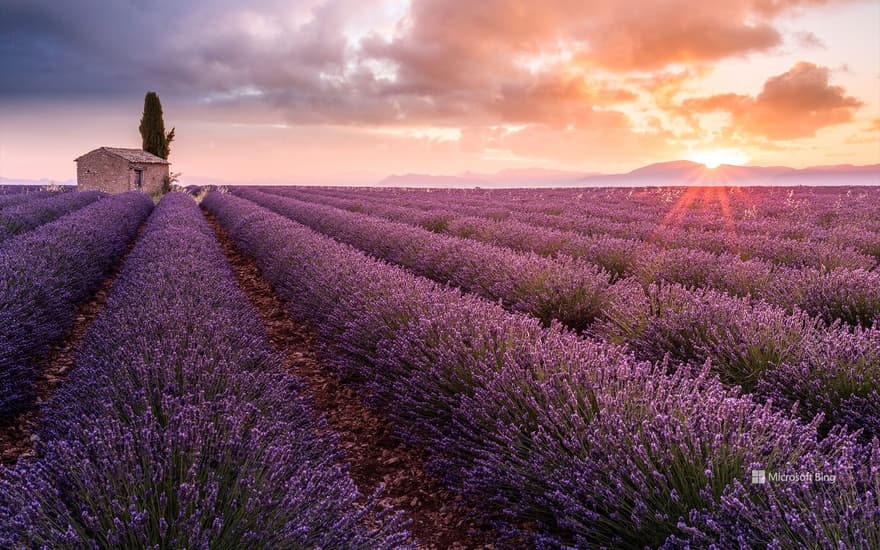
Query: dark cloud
(45,51)
(447,62)
(106,47)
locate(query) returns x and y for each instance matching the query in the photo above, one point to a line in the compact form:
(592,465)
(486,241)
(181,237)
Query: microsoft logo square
(759,477)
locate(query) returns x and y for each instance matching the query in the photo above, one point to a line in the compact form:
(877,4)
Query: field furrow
(45,275)
(178,427)
(438,518)
(575,436)
(779,356)
(673,216)
(852,296)
(19,433)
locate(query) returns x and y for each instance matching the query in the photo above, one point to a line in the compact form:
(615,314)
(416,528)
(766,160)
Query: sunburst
(713,158)
(710,196)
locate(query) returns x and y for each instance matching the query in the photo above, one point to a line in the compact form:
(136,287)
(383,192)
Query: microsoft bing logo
(759,477)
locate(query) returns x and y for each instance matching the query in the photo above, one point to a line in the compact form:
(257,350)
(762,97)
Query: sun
(713,158)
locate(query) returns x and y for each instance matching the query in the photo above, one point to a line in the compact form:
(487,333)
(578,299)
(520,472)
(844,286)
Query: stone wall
(154,176)
(103,171)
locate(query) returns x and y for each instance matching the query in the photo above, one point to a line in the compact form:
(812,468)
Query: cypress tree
(152,127)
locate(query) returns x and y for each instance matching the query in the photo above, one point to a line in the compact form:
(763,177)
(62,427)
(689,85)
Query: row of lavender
(848,245)
(804,212)
(591,446)
(785,357)
(11,199)
(25,216)
(14,189)
(762,206)
(843,217)
(177,428)
(46,274)
(849,241)
(852,296)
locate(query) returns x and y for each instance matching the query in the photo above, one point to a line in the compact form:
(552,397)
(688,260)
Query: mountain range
(678,172)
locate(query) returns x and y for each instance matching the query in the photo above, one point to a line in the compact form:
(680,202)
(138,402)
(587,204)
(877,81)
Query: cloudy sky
(272,90)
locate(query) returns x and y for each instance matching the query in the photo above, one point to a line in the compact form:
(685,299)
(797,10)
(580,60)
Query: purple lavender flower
(177,427)
(46,273)
(592,446)
(26,216)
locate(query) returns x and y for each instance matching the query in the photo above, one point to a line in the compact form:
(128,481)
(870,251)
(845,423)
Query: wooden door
(138,178)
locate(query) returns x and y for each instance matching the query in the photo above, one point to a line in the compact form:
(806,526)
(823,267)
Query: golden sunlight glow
(692,201)
(714,158)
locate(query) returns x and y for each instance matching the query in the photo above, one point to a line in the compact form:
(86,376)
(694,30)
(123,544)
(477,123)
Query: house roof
(131,155)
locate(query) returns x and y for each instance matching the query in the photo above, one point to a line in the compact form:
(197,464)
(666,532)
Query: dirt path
(439,517)
(16,440)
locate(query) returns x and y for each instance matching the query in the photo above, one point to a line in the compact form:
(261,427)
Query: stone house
(114,170)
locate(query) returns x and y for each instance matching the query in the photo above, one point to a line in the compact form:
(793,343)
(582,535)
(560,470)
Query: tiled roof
(131,155)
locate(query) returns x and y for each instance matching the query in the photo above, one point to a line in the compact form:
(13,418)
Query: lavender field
(328,367)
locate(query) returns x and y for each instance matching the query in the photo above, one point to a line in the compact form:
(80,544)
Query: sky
(275,91)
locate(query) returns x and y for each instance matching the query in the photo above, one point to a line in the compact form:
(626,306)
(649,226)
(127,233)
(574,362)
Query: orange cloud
(555,100)
(564,80)
(654,40)
(601,137)
(795,104)
(455,42)
(459,62)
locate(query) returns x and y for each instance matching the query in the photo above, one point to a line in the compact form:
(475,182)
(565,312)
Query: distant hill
(518,177)
(685,172)
(425,180)
(842,174)
(676,172)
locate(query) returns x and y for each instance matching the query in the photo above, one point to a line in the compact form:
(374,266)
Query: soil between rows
(17,439)
(439,517)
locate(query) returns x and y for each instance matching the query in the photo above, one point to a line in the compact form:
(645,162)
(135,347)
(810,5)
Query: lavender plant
(177,427)
(46,273)
(562,288)
(24,217)
(845,294)
(590,445)
(20,197)
(742,338)
(831,370)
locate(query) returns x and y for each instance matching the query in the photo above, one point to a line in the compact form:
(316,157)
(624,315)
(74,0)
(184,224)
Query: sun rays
(702,201)
(713,158)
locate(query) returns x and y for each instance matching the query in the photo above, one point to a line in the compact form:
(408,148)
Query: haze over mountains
(505,178)
(678,172)
(44,181)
